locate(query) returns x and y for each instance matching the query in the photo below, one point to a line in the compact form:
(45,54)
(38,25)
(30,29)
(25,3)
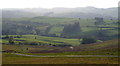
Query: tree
(11,41)
(71,29)
(26,48)
(48,29)
(35,38)
(88,40)
(99,21)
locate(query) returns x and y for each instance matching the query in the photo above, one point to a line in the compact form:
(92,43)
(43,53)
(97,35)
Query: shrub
(88,40)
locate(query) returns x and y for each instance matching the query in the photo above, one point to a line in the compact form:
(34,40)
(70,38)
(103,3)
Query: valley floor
(15,59)
(97,53)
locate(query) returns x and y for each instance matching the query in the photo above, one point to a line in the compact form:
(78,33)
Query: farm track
(66,55)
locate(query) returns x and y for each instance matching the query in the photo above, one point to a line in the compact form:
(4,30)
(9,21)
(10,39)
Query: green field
(32,36)
(100,48)
(57,23)
(104,48)
(13,59)
(44,40)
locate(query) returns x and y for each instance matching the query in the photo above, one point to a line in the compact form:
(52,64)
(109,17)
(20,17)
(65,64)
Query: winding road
(66,55)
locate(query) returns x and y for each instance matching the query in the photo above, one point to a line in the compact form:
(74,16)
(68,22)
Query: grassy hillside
(43,39)
(59,36)
(13,59)
(39,25)
(43,46)
(103,48)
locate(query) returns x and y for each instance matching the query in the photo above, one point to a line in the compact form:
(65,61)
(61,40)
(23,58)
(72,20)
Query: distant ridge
(78,12)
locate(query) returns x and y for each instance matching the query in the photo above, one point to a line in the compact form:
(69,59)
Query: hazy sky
(57,3)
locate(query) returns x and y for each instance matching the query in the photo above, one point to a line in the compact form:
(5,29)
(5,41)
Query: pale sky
(57,3)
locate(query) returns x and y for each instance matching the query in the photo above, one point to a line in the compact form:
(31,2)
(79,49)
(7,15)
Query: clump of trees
(71,29)
(22,27)
(48,29)
(8,37)
(11,41)
(88,40)
(99,21)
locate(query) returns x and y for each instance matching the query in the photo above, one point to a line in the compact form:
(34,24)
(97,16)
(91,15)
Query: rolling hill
(81,12)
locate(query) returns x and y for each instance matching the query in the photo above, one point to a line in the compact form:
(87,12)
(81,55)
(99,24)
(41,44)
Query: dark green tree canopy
(88,40)
(71,29)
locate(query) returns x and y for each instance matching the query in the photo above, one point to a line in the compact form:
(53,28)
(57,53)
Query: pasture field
(14,59)
(103,48)
(59,22)
(34,44)
(44,40)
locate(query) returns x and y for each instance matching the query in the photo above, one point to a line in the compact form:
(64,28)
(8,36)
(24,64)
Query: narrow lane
(65,55)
